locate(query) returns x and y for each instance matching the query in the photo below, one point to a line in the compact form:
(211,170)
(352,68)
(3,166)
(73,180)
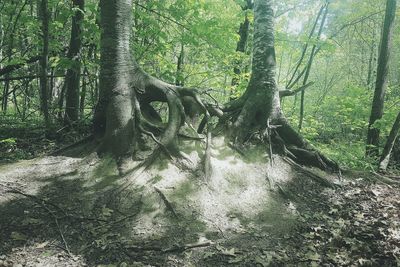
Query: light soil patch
(164,203)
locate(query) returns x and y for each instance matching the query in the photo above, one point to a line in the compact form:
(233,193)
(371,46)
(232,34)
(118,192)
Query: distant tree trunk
(309,65)
(242,43)
(385,158)
(1,56)
(293,79)
(6,91)
(372,148)
(72,78)
(179,80)
(44,16)
(372,59)
(85,81)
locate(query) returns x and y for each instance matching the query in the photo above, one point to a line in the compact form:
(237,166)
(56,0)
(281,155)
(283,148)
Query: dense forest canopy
(199,133)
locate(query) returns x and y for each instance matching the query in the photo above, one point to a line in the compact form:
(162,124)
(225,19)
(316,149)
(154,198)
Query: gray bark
(372,148)
(114,118)
(387,151)
(262,95)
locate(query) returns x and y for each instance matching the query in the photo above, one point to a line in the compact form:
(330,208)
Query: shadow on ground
(73,220)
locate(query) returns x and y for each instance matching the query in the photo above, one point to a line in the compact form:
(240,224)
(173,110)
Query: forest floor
(71,211)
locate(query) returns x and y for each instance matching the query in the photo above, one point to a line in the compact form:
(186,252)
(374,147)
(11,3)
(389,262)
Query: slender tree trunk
(44,16)
(309,65)
(179,80)
(385,157)
(242,44)
(293,79)
(85,81)
(6,91)
(372,59)
(72,78)
(372,148)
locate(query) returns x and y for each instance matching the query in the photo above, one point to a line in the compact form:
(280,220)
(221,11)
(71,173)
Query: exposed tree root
(176,248)
(168,204)
(320,179)
(384,179)
(207,156)
(81,142)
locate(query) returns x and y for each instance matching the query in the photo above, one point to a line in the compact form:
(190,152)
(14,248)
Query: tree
(44,61)
(372,148)
(126,91)
(72,78)
(242,43)
(387,151)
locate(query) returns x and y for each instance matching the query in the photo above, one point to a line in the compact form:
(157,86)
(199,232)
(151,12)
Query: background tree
(72,79)
(381,79)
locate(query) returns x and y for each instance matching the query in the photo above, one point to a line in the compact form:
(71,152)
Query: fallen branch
(187,246)
(175,248)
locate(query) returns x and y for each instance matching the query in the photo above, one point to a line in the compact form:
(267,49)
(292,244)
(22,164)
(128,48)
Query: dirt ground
(78,211)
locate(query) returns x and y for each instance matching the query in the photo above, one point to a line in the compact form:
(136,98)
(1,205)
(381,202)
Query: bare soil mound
(76,211)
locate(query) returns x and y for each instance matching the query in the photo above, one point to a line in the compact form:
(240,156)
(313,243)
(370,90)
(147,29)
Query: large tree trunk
(124,112)
(258,110)
(114,117)
(261,99)
(372,148)
(72,78)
